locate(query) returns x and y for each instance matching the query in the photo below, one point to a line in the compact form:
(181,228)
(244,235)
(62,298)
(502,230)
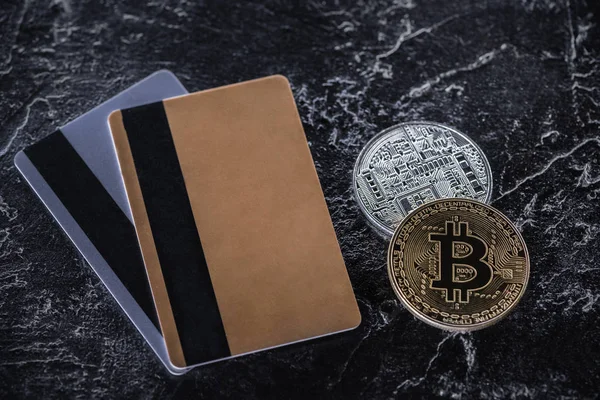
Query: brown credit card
(235,233)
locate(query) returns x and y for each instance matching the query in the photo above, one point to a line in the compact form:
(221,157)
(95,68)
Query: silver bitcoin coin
(413,163)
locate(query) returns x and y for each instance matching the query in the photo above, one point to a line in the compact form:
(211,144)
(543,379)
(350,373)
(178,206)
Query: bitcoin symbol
(462,268)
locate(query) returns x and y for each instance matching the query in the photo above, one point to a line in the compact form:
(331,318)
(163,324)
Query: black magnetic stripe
(176,238)
(96,213)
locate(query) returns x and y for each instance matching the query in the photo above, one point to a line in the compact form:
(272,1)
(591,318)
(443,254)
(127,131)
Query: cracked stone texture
(522,78)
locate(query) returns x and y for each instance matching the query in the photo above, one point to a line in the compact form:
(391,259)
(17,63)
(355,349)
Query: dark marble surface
(522,78)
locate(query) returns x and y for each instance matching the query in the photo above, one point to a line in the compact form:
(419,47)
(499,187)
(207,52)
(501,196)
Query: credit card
(75,173)
(236,236)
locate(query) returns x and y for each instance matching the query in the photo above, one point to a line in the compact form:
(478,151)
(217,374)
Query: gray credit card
(75,173)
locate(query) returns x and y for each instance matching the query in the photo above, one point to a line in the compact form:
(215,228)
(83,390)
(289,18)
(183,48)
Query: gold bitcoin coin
(458,264)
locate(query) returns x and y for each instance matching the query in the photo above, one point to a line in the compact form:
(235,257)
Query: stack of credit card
(202,214)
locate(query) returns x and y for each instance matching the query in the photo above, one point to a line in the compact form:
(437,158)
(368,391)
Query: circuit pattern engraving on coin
(458,264)
(413,163)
